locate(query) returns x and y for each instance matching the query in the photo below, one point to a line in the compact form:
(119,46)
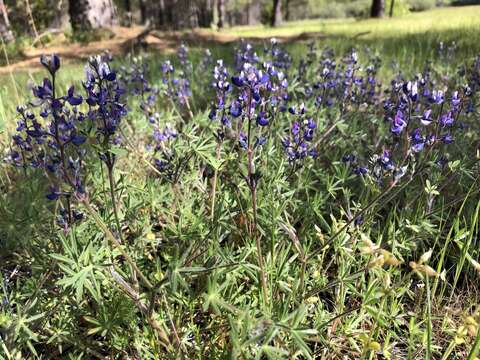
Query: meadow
(311,197)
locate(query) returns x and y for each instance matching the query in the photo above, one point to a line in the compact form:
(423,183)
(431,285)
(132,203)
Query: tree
(204,12)
(287,10)
(276,13)
(221,13)
(392,5)
(91,14)
(5,31)
(378,8)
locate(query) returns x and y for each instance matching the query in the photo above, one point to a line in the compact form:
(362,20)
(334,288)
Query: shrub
(420,5)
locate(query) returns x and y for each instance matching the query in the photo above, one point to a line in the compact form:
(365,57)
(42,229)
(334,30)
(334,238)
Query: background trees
(23,17)
(5,31)
(91,14)
(276,13)
(378,8)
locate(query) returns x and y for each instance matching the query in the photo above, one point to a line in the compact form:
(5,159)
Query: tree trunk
(254,13)
(91,14)
(392,4)
(61,19)
(5,31)
(128,13)
(221,13)
(143,11)
(287,10)
(378,8)
(276,13)
(204,11)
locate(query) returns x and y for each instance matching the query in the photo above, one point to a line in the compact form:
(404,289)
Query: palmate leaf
(62,258)
(78,281)
(95,322)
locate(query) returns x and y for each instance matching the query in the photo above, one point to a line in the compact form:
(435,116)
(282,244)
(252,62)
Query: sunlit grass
(436,20)
(330,290)
(408,40)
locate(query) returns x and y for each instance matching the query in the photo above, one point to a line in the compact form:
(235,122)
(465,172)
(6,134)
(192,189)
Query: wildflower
(51,63)
(385,160)
(411,90)
(426,119)
(418,141)
(51,138)
(398,123)
(437,97)
(299,145)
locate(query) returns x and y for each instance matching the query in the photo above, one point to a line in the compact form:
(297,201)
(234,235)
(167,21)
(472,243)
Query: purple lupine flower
(244,53)
(455,99)
(398,123)
(447,119)
(426,119)
(418,140)
(385,160)
(51,63)
(176,88)
(106,108)
(298,145)
(262,119)
(411,90)
(360,170)
(49,140)
(447,138)
(437,97)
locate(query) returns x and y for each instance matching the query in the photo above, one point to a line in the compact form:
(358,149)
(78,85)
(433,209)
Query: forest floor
(126,40)
(123,40)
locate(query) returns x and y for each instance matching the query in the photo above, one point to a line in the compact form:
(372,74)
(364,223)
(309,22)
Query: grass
(408,40)
(185,282)
(437,20)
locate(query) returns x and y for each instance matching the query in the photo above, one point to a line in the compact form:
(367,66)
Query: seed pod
(425,257)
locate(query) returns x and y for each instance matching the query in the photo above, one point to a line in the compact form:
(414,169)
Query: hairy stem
(115,242)
(214,182)
(253,190)
(114,201)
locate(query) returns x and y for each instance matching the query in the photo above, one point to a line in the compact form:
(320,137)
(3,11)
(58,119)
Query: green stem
(429,322)
(114,201)
(98,220)
(253,189)
(214,182)
(476,346)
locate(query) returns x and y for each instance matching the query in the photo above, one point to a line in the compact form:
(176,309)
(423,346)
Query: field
(314,196)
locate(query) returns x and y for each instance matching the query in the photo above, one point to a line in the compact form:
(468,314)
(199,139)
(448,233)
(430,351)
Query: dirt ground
(125,40)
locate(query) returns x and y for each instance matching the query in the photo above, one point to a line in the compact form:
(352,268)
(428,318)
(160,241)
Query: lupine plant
(314,206)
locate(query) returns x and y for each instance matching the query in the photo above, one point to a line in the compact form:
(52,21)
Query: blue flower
(418,140)
(385,160)
(360,170)
(237,81)
(447,119)
(52,63)
(78,139)
(235,109)
(398,123)
(72,99)
(437,97)
(262,119)
(426,120)
(447,138)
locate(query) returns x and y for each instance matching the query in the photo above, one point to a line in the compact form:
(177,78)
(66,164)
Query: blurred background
(41,19)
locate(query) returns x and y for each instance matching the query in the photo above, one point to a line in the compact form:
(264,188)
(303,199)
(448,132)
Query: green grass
(436,20)
(331,292)
(409,40)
